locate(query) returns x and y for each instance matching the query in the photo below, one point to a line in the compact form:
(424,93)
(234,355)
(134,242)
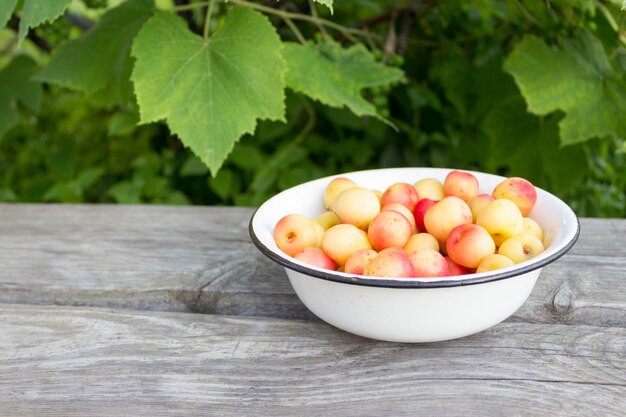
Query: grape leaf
(225,184)
(336,76)
(193,166)
(36,12)
(16,86)
(329,4)
(122,123)
(529,147)
(211,92)
(577,80)
(8,117)
(473,87)
(6,8)
(106,49)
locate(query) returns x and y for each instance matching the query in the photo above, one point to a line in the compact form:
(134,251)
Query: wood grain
(83,361)
(597,238)
(200,259)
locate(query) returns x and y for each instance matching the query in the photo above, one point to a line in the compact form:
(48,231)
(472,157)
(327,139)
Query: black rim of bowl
(408,283)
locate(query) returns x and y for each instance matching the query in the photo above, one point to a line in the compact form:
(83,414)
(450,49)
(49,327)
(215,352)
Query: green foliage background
(533,89)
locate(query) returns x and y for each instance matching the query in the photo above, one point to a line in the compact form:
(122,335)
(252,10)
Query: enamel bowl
(411,309)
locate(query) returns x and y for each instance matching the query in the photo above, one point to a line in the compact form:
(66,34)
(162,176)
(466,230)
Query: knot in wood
(562,301)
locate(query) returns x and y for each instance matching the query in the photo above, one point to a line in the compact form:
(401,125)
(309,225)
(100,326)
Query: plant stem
(299,16)
(346,31)
(618,28)
(529,17)
(316,17)
(190,6)
(8,47)
(295,30)
(207,19)
(608,16)
(369,41)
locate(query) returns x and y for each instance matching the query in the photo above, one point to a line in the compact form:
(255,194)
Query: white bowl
(411,309)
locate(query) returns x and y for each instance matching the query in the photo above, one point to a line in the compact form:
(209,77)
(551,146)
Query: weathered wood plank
(579,290)
(70,361)
(201,259)
(127,256)
(601,237)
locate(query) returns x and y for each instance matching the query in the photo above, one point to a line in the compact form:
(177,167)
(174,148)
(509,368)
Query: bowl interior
(558,221)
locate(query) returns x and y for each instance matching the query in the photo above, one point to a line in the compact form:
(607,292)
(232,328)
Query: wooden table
(155,311)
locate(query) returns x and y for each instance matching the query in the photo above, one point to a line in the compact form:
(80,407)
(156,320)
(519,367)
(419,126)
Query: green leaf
(16,86)
(122,123)
(73,191)
(100,60)
(36,12)
(225,184)
(247,157)
(125,192)
(473,87)
(576,80)
(529,147)
(286,156)
(7,195)
(89,177)
(177,198)
(455,75)
(8,117)
(549,79)
(211,92)
(336,76)
(6,8)
(61,160)
(327,3)
(604,115)
(193,166)
(587,50)
(16,83)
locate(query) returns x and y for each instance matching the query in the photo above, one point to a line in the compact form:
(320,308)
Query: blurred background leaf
(532,88)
